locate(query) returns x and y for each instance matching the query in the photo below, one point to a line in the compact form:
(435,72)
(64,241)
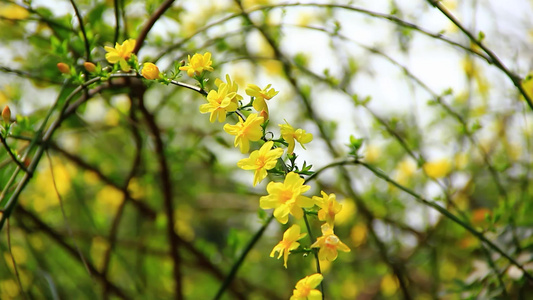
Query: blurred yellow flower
(244,132)
(289,243)
(109,198)
(120,54)
(305,288)
(150,71)
(329,244)
(13,12)
(290,135)
(358,234)
(261,160)
(347,212)
(372,153)
(438,168)
(460,160)
(286,198)
(9,289)
(198,64)
(389,285)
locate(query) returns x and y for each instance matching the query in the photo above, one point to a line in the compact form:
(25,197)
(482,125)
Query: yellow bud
(150,71)
(89,66)
(63,68)
(6,114)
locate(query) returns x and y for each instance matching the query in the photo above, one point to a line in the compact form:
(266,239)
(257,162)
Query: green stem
(310,233)
(236,266)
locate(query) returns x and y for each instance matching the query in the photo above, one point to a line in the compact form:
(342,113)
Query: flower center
(260,162)
(332,240)
(285,196)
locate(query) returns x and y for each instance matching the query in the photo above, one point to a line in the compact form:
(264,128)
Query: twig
(236,266)
(17,275)
(12,155)
(166,189)
(493,58)
(141,206)
(136,164)
(82,28)
(67,225)
(117,21)
(191,87)
(41,226)
(148,26)
(447,214)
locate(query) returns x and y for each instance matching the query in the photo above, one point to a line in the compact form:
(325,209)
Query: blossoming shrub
(181,149)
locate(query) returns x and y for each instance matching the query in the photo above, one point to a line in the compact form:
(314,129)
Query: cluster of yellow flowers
(285,198)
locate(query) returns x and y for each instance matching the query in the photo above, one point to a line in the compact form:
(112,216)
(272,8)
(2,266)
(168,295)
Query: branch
(139,204)
(166,189)
(12,155)
(447,214)
(236,266)
(41,226)
(82,28)
(493,58)
(148,26)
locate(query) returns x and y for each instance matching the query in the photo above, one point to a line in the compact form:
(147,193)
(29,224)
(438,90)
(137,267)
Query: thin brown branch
(12,155)
(41,226)
(136,164)
(478,41)
(67,225)
(141,206)
(148,26)
(166,189)
(17,275)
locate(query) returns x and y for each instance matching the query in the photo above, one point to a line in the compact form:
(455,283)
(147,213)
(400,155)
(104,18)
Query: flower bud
(6,114)
(63,68)
(264,114)
(150,71)
(89,66)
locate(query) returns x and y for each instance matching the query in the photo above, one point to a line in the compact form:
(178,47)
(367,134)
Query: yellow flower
(305,288)
(288,243)
(244,132)
(261,160)
(150,71)
(198,64)
(329,244)
(329,207)
(286,198)
(260,96)
(438,168)
(120,54)
(289,135)
(221,102)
